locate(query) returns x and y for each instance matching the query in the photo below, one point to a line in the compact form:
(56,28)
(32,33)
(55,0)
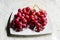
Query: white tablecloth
(51,6)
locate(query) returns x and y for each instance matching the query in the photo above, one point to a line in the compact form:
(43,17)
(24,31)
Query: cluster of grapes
(29,18)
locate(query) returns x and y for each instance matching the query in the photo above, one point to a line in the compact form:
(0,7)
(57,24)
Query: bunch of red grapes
(29,18)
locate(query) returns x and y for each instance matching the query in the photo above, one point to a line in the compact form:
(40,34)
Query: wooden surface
(51,6)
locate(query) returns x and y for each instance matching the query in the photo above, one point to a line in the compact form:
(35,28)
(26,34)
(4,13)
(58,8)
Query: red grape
(24,10)
(27,9)
(43,12)
(37,29)
(24,26)
(38,14)
(19,10)
(32,12)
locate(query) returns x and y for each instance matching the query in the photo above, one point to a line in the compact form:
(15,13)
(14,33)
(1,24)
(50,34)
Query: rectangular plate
(26,32)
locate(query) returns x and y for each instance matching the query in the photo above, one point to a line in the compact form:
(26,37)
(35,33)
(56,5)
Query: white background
(51,6)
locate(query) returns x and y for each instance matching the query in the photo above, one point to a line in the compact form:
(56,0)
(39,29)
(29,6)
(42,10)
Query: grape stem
(35,5)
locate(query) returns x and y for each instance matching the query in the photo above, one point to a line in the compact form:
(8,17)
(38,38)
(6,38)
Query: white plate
(47,30)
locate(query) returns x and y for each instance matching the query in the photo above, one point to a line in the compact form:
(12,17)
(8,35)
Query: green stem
(36,6)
